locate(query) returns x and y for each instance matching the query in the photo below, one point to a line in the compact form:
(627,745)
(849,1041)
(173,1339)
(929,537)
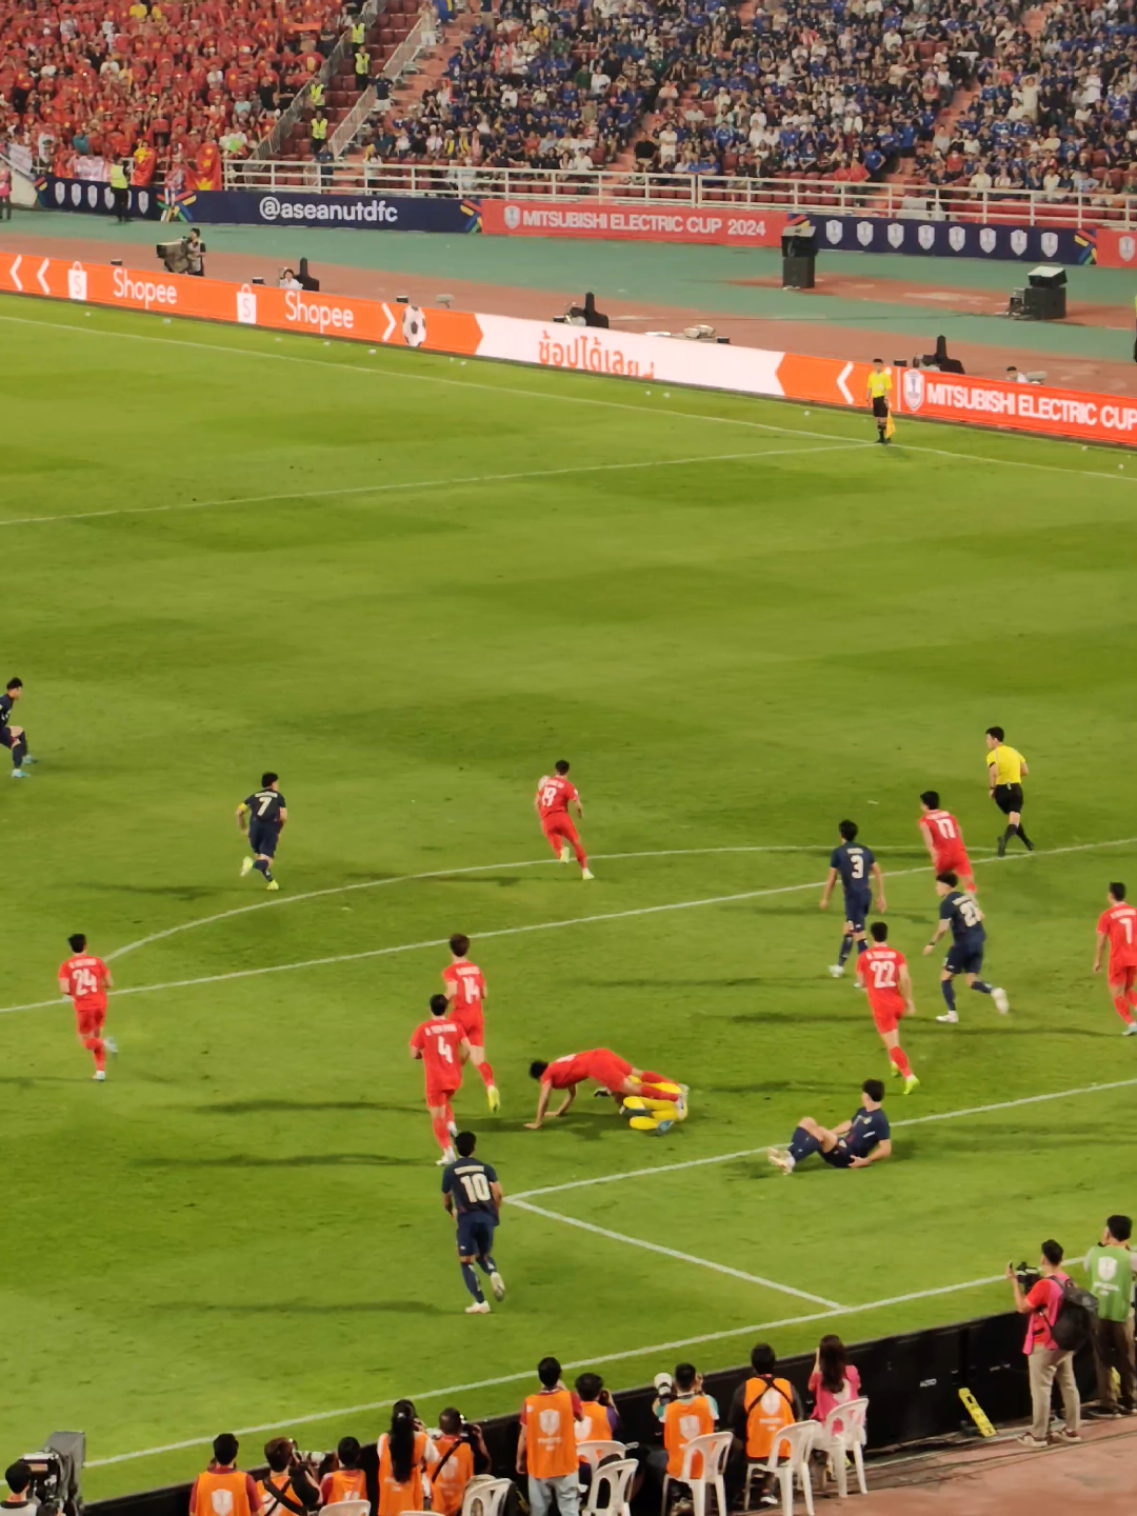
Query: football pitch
(409,585)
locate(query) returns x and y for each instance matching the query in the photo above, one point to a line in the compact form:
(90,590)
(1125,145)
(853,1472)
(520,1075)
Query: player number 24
(477,1187)
(970,912)
(85,982)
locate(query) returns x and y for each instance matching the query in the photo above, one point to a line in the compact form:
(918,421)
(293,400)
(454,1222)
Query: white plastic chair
(796,1442)
(347,1508)
(616,1479)
(593,1449)
(844,1433)
(485,1496)
(715,1449)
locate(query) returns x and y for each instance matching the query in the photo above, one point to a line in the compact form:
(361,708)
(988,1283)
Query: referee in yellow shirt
(879,388)
(1005,769)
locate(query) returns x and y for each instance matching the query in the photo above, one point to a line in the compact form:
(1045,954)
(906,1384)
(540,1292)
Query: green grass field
(409,585)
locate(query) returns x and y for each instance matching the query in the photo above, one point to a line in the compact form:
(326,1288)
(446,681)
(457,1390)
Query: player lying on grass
(614,1075)
(961,915)
(943,838)
(865,1139)
(1117,925)
(854,865)
(883,973)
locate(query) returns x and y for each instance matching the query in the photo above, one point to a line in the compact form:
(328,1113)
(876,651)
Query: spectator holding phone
(834,1381)
(289,1488)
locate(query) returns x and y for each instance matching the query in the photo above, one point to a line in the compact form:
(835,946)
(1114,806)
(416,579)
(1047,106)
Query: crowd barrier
(912,1381)
(589,350)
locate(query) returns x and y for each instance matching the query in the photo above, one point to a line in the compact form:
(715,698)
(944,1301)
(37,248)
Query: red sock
(441,1132)
(900,1059)
(98,1047)
(554,840)
(485,1069)
(1123,1005)
(656,1092)
(653,1078)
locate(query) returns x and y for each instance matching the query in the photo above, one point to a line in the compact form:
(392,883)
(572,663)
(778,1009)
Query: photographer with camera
(462,1453)
(19,1499)
(289,1488)
(343,1478)
(1040,1295)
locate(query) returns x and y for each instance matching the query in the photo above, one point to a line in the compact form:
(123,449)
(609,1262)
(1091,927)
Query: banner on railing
(732,227)
(281,207)
(574,349)
(1116,248)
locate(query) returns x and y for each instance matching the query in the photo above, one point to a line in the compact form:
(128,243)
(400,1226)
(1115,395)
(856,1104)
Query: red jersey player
(466,993)
(1118,924)
(943,838)
(555,793)
(85,979)
(443,1049)
(611,1072)
(883,972)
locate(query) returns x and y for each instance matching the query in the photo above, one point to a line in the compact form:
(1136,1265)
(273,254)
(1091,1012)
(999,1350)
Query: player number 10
(477,1187)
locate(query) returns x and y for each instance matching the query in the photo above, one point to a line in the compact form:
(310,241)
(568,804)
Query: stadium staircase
(431,66)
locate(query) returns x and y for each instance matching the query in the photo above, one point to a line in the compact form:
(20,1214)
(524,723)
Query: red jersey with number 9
(438,1041)
(554,792)
(1119,924)
(880,967)
(84,978)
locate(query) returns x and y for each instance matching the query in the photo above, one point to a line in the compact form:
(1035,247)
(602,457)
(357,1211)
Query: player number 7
(264,803)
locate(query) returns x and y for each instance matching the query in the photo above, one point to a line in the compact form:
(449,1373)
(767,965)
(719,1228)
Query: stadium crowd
(155,79)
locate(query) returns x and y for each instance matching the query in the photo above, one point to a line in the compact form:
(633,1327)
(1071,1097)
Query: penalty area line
(648,1350)
(510,931)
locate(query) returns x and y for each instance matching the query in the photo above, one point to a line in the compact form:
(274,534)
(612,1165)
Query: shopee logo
(315,313)
(144,292)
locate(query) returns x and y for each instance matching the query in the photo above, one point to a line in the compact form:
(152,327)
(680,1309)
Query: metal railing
(393,70)
(292,113)
(905,202)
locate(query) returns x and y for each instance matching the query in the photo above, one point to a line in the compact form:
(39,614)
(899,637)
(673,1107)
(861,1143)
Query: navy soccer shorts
(963,959)
(475,1234)
(857,908)
(263,839)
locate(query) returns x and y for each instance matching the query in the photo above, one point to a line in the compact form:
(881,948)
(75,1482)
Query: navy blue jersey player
(960,915)
(14,738)
(472,1195)
(856,867)
(265,814)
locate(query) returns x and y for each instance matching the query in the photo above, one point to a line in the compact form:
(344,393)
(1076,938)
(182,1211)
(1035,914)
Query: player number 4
(477,1187)
(445,1051)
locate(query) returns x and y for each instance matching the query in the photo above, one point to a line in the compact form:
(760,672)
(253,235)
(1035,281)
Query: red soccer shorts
(90,1022)
(472,1023)
(887,1013)
(437,1094)
(559,825)
(954,861)
(1124,975)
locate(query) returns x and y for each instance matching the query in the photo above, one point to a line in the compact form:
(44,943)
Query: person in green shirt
(1110,1265)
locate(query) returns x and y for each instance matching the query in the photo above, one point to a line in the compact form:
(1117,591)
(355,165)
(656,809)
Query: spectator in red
(1045,1359)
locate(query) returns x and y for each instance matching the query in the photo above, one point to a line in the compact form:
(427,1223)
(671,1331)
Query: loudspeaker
(1044,304)
(798,272)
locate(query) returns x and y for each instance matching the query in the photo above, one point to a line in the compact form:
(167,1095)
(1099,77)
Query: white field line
(655,1247)
(648,1350)
(516,931)
(399,375)
(424,484)
(697,1163)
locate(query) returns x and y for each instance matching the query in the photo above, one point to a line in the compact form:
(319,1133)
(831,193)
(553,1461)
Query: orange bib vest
(550,1441)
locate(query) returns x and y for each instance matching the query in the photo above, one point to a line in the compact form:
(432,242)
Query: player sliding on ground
(854,864)
(85,979)
(883,973)
(466,991)
(555,793)
(866,1139)
(664,1100)
(943,838)
(266,815)
(960,914)
(1117,925)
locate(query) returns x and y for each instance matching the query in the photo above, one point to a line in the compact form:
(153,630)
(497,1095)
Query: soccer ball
(414,326)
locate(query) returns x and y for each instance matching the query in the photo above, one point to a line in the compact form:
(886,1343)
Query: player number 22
(884,974)
(477,1187)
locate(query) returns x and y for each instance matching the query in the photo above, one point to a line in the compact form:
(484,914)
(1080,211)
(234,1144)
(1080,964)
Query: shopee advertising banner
(574,349)
(737,227)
